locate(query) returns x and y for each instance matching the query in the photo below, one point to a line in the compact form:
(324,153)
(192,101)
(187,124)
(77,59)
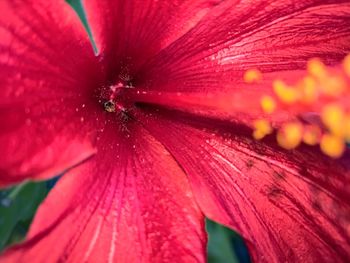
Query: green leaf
(17,207)
(225,245)
(79,9)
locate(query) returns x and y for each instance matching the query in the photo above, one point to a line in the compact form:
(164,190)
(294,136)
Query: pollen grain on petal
(252,76)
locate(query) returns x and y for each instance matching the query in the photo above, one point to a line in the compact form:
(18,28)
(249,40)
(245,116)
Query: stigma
(324,92)
(115,99)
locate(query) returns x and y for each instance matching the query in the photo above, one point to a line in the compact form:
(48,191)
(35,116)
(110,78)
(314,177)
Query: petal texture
(202,71)
(238,35)
(128,33)
(130,203)
(45,58)
(290,206)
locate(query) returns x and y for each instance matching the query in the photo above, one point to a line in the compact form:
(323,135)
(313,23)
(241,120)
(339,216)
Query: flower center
(116,97)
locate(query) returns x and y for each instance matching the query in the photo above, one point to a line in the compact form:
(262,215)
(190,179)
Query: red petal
(236,36)
(45,56)
(130,203)
(129,32)
(291,206)
(202,72)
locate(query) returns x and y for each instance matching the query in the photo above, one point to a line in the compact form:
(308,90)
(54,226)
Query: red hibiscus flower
(148,148)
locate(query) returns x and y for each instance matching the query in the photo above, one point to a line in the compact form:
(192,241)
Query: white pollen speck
(83,106)
(76,109)
(82,119)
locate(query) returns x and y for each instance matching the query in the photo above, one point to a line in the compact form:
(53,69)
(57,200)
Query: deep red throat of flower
(143,165)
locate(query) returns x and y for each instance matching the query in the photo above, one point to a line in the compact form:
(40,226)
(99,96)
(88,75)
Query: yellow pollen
(290,135)
(308,90)
(333,118)
(347,127)
(316,68)
(252,75)
(346,65)
(333,86)
(322,95)
(312,135)
(261,129)
(286,94)
(332,145)
(268,104)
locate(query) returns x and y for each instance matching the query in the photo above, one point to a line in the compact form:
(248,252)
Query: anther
(346,65)
(308,90)
(333,118)
(290,135)
(286,94)
(252,75)
(312,134)
(316,68)
(332,145)
(268,104)
(261,128)
(323,92)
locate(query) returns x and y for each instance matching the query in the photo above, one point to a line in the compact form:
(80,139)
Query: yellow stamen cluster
(325,93)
